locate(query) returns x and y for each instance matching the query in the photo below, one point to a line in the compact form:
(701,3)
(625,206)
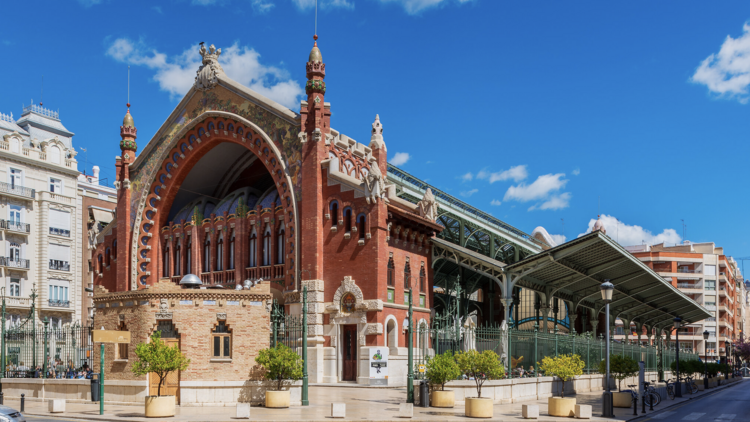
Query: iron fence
(286,329)
(39,352)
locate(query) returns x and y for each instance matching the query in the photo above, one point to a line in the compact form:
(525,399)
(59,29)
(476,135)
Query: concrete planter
(478,407)
(622,400)
(445,398)
(559,406)
(277,399)
(701,386)
(159,407)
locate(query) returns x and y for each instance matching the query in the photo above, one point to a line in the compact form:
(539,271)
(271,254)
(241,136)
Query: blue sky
(535,111)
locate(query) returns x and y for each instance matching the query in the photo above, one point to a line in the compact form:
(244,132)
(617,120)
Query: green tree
(441,369)
(620,368)
(158,358)
(281,363)
(480,366)
(564,367)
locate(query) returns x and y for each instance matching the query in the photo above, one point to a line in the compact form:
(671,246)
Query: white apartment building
(705,274)
(39,218)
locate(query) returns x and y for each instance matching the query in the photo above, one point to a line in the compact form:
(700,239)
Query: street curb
(710,393)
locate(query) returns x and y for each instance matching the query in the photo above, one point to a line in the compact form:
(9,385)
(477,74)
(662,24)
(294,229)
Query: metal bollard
(1,398)
(651,404)
(424,392)
(23,402)
(643,403)
(635,406)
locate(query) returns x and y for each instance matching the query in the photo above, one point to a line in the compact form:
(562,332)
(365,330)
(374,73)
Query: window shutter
(59,219)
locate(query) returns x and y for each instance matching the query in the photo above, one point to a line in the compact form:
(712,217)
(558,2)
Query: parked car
(10,414)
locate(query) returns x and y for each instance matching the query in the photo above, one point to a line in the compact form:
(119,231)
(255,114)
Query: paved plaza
(368,404)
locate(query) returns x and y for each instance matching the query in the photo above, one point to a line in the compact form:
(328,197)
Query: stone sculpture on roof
(599,226)
(374,184)
(206,77)
(428,207)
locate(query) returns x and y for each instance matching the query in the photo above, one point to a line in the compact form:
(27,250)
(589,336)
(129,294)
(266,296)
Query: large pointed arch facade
(192,142)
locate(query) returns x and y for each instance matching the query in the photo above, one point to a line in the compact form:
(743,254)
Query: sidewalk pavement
(362,404)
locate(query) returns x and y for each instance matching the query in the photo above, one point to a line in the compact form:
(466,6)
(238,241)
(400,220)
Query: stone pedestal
(243,411)
(338,410)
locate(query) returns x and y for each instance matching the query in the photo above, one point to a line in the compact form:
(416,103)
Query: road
(729,405)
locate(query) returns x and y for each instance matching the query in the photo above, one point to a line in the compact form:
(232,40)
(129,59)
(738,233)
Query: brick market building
(236,187)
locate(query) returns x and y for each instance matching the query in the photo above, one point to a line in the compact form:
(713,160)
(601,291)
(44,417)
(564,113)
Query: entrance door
(171,385)
(350,353)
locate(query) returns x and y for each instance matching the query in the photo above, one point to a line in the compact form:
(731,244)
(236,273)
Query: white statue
(163,306)
(428,207)
(374,184)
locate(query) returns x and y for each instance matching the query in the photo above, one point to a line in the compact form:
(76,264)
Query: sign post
(378,366)
(107,336)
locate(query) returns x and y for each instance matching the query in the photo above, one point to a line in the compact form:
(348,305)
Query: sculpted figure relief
(374,184)
(206,77)
(428,207)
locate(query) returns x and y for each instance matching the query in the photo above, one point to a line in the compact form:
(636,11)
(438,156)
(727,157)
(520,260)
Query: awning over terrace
(574,272)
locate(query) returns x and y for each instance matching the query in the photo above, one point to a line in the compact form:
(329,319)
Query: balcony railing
(59,303)
(17,301)
(15,226)
(18,190)
(59,232)
(268,272)
(688,271)
(14,263)
(59,265)
(689,286)
(710,307)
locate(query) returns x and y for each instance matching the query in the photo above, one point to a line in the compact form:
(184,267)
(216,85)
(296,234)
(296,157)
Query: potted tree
(441,369)
(620,368)
(564,367)
(480,367)
(281,364)
(155,357)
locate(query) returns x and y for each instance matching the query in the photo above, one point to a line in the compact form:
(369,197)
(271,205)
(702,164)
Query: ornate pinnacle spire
(376,139)
(316,71)
(128,132)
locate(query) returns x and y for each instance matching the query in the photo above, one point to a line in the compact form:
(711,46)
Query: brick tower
(122,184)
(315,126)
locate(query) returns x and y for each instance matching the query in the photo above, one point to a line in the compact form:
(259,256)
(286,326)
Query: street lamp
(705,358)
(726,357)
(607,289)
(677,324)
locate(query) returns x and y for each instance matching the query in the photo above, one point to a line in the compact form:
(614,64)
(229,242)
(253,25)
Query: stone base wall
(229,393)
(74,391)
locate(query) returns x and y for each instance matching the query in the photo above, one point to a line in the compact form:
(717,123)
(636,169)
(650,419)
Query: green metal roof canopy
(575,270)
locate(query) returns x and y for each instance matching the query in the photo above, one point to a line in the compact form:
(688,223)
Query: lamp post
(705,359)
(726,358)
(607,289)
(677,324)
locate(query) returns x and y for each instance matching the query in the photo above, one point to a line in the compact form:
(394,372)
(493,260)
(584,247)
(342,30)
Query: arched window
(107,256)
(252,249)
(348,220)
(422,277)
(391,334)
(188,255)
(361,226)
(334,213)
(100,262)
(177,259)
(231,251)
(267,246)
(15,252)
(166,261)
(407,274)
(114,249)
(121,351)
(222,341)
(54,154)
(391,272)
(219,254)
(280,245)
(15,145)
(207,255)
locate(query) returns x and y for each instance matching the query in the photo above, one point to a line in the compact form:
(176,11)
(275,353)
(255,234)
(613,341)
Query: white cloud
(324,4)
(261,6)
(89,3)
(467,177)
(555,202)
(558,238)
(400,158)
(468,193)
(516,173)
(204,2)
(727,73)
(483,174)
(176,74)
(414,7)
(576,171)
(495,202)
(540,189)
(628,235)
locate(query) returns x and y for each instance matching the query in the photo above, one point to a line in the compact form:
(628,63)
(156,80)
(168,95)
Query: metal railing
(689,286)
(16,226)
(59,232)
(18,190)
(43,352)
(59,303)
(14,263)
(43,111)
(59,265)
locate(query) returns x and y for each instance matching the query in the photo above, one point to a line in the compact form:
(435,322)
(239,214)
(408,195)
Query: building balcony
(727,309)
(19,264)
(690,288)
(268,272)
(12,189)
(59,232)
(59,265)
(17,302)
(15,226)
(59,303)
